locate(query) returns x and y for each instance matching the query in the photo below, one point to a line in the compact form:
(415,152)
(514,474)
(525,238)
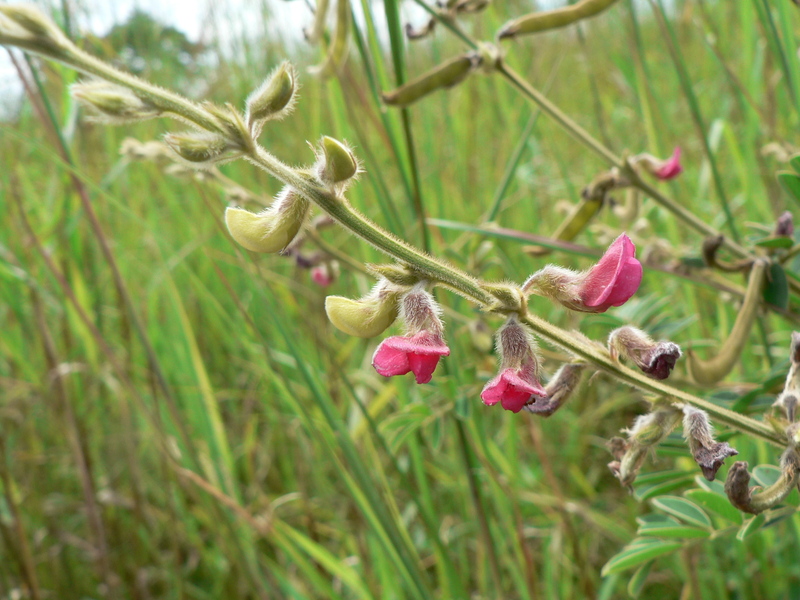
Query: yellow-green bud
(273,99)
(397,274)
(338,163)
(367,317)
(113,102)
(271,230)
(196,146)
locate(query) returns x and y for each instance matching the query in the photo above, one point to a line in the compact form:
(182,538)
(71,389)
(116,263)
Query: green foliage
(195,428)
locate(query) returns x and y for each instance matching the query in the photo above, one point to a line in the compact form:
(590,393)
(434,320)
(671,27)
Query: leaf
(766,475)
(685,510)
(672,529)
(774,242)
(719,505)
(630,557)
(645,492)
(636,582)
(751,527)
(776,291)
(791,183)
(795,162)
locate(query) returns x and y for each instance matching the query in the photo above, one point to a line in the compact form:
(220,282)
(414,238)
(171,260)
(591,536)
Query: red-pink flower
(671,167)
(513,389)
(418,353)
(322,275)
(614,279)
(423,345)
(517,382)
(611,282)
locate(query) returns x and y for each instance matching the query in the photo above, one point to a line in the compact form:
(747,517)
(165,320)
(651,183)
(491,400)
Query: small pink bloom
(322,275)
(671,167)
(419,353)
(613,280)
(513,389)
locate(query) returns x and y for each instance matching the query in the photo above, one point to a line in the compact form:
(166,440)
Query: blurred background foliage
(179,419)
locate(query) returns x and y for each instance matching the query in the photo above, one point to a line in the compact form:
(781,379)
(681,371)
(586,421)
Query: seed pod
(553,19)
(271,230)
(446,75)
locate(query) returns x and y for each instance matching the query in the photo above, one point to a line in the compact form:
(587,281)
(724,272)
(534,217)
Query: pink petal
(321,277)
(389,361)
(423,365)
(614,279)
(511,390)
(671,167)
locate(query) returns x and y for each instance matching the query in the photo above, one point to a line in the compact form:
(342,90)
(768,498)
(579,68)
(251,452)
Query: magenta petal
(389,360)
(614,279)
(511,390)
(671,167)
(423,365)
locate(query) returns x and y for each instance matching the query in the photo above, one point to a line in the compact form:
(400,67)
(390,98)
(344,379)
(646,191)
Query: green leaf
(636,582)
(774,242)
(672,529)
(766,475)
(791,183)
(645,492)
(751,527)
(795,162)
(719,505)
(630,557)
(776,291)
(685,510)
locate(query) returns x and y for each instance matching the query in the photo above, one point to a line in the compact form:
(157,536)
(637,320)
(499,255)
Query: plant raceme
(223,133)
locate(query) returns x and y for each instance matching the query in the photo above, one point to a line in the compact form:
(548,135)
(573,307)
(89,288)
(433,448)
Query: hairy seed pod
(553,19)
(446,75)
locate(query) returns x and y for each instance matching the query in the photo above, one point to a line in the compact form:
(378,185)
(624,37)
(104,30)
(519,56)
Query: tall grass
(179,419)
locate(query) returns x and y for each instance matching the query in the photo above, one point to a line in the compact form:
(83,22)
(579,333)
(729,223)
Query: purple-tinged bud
(325,274)
(655,359)
(421,32)
(756,500)
(559,389)
(660,169)
(699,434)
(647,431)
(518,383)
(784,226)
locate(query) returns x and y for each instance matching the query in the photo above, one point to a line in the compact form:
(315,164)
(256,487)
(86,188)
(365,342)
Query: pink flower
(614,279)
(517,382)
(423,345)
(671,167)
(418,353)
(611,282)
(513,389)
(321,275)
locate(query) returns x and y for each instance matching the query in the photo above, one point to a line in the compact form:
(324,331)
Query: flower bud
(398,274)
(518,383)
(611,282)
(197,147)
(271,230)
(325,274)
(655,359)
(660,169)
(784,226)
(336,162)
(113,103)
(273,98)
(787,402)
(699,434)
(27,27)
(753,501)
(423,345)
(647,431)
(559,390)
(367,317)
